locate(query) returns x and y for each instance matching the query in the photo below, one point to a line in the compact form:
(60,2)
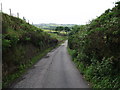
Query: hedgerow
(97,47)
(21,42)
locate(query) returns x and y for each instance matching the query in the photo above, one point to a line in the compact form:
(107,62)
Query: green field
(62,32)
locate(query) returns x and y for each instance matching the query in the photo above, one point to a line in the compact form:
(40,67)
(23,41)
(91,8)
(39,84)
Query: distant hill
(51,26)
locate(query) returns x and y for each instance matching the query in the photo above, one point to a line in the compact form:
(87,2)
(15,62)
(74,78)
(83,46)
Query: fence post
(1,7)
(18,15)
(10,12)
(24,19)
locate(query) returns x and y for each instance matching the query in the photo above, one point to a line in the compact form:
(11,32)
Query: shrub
(98,48)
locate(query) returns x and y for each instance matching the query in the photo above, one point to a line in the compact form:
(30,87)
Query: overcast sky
(58,11)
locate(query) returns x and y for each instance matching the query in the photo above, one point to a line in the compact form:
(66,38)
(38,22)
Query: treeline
(61,28)
(21,42)
(95,48)
(52,26)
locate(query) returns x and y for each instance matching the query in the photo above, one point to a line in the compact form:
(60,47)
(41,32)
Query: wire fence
(15,15)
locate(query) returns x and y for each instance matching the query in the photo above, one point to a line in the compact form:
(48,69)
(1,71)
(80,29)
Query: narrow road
(55,70)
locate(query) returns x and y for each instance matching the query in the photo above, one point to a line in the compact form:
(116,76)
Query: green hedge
(97,47)
(21,42)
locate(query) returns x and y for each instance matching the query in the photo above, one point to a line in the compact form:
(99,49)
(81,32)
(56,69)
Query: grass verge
(58,37)
(95,73)
(10,79)
(80,66)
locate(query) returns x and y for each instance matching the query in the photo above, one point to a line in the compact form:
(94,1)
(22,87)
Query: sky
(57,11)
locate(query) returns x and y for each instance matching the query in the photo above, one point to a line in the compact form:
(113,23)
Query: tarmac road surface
(55,70)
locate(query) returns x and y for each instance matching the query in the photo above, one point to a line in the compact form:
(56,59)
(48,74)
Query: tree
(56,29)
(66,29)
(59,28)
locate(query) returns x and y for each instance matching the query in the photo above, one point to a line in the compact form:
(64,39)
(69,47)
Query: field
(62,32)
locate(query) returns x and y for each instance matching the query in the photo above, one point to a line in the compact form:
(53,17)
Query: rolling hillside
(52,26)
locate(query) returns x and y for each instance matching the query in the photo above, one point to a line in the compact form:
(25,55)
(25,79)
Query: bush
(98,48)
(21,42)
